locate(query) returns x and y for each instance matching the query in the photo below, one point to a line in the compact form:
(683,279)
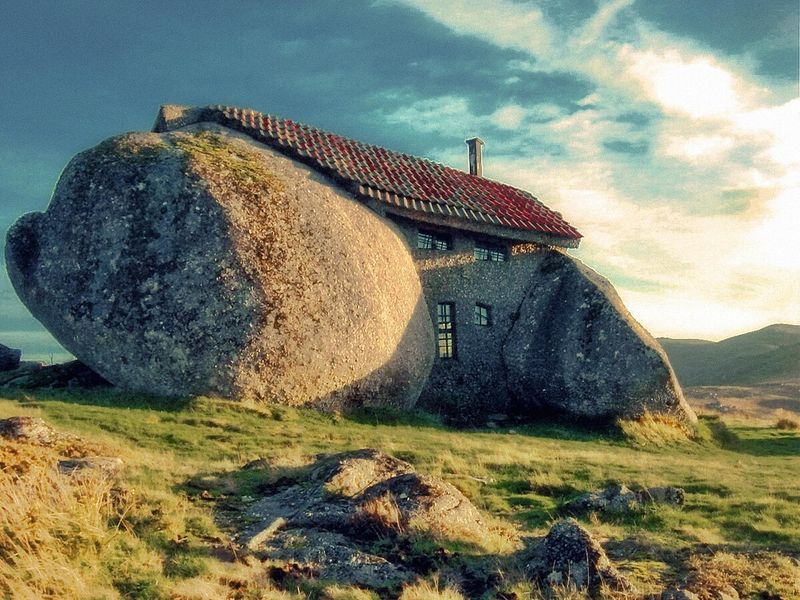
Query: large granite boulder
(202,262)
(575,349)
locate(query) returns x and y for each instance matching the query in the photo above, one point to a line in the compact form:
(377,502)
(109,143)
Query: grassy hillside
(160,530)
(767,355)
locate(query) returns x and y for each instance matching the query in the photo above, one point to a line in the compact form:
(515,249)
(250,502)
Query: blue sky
(667,132)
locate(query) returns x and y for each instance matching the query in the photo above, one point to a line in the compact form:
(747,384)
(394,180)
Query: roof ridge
(390,173)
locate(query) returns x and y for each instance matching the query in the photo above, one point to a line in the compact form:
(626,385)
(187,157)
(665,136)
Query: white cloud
(698,147)
(508,117)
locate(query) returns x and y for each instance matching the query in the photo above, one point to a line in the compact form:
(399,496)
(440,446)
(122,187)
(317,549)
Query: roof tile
(430,187)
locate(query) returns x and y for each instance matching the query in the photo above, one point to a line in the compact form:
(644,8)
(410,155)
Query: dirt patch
(764,402)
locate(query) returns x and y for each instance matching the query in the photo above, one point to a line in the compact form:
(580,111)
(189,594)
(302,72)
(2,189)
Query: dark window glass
(483,316)
(445,319)
(428,240)
(488,252)
(424,240)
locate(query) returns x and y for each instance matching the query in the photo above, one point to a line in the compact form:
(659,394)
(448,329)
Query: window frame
(482,315)
(491,252)
(446,330)
(438,241)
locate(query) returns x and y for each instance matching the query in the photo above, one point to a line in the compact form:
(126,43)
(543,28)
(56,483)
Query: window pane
(428,240)
(446,330)
(424,240)
(482,315)
(497,255)
(489,252)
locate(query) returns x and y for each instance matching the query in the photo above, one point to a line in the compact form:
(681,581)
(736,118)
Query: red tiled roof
(399,179)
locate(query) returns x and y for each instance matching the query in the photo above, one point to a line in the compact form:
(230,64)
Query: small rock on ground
(569,554)
(620,499)
(679,594)
(108,465)
(29,429)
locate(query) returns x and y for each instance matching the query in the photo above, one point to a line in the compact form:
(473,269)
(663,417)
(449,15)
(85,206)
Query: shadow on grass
(105,397)
(394,416)
(768,442)
(720,433)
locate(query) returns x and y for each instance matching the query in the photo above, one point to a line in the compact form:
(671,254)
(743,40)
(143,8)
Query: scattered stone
(108,465)
(616,499)
(662,495)
(569,554)
(29,429)
(679,594)
(350,473)
(9,358)
(576,350)
(726,593)
(202,262)
(619,499)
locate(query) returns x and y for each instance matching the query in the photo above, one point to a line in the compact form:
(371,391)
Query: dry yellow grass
(52,527)
(381,513)
(430,590)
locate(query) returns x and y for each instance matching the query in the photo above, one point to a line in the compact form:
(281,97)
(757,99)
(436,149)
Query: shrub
(787,423)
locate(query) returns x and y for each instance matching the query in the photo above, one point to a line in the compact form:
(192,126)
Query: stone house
(475,241)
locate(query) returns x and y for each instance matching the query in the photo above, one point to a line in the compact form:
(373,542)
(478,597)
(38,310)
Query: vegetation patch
(163,528)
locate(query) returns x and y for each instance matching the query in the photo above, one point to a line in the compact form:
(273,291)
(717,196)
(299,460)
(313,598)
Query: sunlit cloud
(698,87)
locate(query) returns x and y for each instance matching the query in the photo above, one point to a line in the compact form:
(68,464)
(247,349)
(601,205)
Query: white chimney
(475,146)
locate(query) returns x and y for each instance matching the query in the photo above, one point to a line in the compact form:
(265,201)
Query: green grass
(741,481)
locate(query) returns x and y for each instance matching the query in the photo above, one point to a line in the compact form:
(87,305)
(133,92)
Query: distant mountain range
(768,355)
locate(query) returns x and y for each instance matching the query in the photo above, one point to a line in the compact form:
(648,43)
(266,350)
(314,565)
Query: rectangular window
(445,318)
(429,240)
(489,252)
(483,315)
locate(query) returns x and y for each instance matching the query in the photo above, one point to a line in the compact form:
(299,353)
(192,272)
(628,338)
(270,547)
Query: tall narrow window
(483,315)
(484,251)
(429,240)
(445,317)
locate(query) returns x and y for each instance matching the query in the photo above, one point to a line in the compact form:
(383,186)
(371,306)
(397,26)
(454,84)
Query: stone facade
(559,340)
(473,383)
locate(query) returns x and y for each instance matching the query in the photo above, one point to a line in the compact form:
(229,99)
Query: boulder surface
(202,262)
(575,349)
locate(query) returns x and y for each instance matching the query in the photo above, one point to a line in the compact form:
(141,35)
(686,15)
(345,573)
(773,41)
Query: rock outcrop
(201,262)
(32,375)
(9,358)
(369,492)
(575,349)
(326,523)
